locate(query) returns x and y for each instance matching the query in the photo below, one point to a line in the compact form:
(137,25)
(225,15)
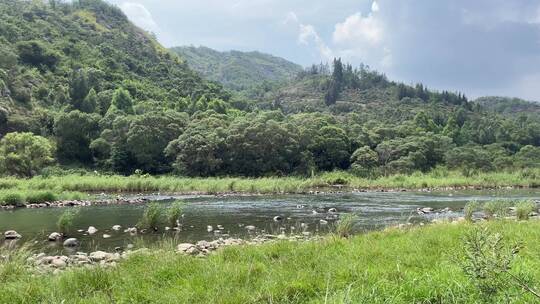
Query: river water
(299,213)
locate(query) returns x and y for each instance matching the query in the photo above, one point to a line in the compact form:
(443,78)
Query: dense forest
(80,86)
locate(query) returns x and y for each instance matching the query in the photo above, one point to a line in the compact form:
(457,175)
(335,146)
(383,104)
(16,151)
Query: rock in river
(92,230)
(11,235)
(72,242)
(55,236)
(116,227)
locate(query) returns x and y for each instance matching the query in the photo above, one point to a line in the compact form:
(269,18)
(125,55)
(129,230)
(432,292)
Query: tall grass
(41,188)
(66,220)
(497,208)
(392,266)
(344,227)
(152,217)
(524,209)
(174,213)
(469,210)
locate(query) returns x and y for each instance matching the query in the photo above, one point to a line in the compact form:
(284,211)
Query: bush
(41,197)
(66,220)
(13,199)
(487,260)
(174,213)
(152,217)
(524,209)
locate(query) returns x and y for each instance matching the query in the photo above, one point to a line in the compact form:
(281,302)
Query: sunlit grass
(393,266)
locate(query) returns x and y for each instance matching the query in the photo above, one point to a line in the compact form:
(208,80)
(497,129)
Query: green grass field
(393,266)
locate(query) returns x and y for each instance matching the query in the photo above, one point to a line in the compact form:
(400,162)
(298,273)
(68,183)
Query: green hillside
(237,70)
(509,106)
(83,87)
(52,56)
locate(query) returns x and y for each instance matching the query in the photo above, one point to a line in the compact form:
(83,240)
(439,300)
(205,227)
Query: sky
(480,47)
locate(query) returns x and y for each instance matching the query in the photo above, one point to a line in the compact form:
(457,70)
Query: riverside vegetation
(39,189)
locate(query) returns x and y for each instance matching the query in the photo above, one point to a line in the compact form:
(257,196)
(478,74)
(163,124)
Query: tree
(89,103)
(37,54)
(24,154)
(122,101)
(148,136)
(74,131)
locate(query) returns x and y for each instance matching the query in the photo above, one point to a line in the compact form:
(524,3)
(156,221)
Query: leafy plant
(66,220)
(152,217)
(487,261)
(524,209)
(13,199)
(174,213)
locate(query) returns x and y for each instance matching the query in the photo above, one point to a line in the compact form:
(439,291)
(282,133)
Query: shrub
(41,197)
(66,220)
(13,199)
(524,209)
(486,260)
(344,227)
(174,213)
(152,217)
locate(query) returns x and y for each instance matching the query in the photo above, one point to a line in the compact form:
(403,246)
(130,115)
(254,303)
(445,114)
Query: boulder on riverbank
(55,236)
(12,235)
(71,242)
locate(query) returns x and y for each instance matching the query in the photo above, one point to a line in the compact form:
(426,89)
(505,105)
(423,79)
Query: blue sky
(480,47)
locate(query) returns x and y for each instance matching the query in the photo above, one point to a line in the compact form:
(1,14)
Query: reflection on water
(233,214)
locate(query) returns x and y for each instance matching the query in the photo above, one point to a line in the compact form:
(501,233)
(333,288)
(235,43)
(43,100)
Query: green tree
(89,103)
(25,154)
(74,131)
(122,101)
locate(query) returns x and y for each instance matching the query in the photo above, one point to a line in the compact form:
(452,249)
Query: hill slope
(238,70)
(509,106)
(52,55)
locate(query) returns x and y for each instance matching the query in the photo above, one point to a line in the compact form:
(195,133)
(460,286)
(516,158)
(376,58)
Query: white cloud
(374,7)
(362,38)
(357,29)
(139,15)
(307,35)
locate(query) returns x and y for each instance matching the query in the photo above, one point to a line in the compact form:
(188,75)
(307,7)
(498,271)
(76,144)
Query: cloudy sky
(480,47)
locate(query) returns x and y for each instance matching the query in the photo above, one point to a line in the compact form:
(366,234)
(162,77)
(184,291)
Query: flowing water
(299,213)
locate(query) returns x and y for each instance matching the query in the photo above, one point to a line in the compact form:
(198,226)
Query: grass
(345,226)
(174,213)
(65,221)
(72,185)
(497,208)
(524,209)
(152,217)
(416,265)
(470,209)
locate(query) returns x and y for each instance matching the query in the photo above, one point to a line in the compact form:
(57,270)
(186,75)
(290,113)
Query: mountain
(53,54)
(509,106)
(237,70)
(79,80)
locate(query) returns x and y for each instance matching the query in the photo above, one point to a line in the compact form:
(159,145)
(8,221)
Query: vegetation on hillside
(108,97)
(248,72)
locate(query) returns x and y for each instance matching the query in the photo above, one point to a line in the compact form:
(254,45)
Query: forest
(81,87)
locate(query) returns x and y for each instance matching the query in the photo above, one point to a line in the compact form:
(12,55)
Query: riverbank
(417,265)
(75,187)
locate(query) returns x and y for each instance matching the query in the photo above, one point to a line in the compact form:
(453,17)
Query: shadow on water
(231,216)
